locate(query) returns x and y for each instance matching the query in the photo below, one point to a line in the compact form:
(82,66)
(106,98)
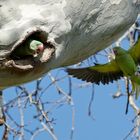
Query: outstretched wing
(134,51)
(99,73)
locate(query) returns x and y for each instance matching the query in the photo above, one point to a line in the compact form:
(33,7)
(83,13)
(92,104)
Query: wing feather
(134,51)
(98,74)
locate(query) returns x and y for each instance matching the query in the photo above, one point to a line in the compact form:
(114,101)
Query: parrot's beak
(39,50)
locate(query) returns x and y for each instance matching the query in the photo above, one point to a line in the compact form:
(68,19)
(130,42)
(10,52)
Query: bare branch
(21,119)
(90,103)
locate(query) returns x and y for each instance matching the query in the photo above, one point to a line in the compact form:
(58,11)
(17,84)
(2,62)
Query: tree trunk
(71,29)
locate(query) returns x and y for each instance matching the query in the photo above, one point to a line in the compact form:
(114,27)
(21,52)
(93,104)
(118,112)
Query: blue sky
(110,121)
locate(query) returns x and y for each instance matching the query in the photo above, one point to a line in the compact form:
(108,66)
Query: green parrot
(124,65)
(28,48)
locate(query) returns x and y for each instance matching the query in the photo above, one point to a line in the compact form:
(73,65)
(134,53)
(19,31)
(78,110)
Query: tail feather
(135,80)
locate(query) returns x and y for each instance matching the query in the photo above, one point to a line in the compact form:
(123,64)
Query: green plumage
(125,61)
(124,65)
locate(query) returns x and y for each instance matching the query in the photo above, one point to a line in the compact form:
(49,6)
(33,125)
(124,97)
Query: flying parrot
(125,64)
(29,48)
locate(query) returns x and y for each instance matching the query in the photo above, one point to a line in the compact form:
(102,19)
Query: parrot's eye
(115,51)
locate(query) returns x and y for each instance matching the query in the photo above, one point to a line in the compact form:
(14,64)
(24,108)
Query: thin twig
(2,115)
(36,133)
(21,119)
(6,132)
(49,131)
(90,103)
(131,131)
(70,86)
(73,119)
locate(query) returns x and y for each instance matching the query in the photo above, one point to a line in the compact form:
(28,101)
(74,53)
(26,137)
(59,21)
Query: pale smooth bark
(76,28)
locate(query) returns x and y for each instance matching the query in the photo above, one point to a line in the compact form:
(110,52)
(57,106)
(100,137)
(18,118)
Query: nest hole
(35,35)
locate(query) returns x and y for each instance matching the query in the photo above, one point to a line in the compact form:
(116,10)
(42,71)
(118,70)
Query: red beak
(40,49)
